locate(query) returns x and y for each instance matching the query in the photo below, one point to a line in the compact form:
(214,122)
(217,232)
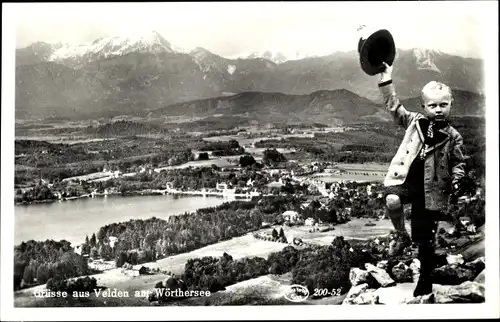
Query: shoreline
(149,192)
(146,192)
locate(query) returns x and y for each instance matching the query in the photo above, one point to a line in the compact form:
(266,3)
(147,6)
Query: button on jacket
(444,162)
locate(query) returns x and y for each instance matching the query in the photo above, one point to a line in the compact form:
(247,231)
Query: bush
(273,156)
(81,284)
(283,261)
(203,156)
(247,160)
(210,273)
(329,267)
(120,259)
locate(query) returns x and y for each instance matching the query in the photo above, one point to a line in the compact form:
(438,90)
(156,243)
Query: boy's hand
(386,74)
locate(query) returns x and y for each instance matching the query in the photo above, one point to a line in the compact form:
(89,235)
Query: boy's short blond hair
(435,87)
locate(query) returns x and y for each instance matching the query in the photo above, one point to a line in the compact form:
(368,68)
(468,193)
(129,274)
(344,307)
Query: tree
(149,241)
(101,235)
(42,274)
(29,274)
(233,144)
(93,241)
(282,233)
(273,156)
(203,156)
(93,252)
(86,246)
(120,259)
(288,188)
(105,251)
(247,160)
(275,233)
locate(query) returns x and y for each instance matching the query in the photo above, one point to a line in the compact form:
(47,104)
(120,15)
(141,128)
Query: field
(348,177)
(239,247)
(220,162)
(372,166)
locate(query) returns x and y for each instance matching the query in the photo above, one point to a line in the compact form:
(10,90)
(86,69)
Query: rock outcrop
(358,276)
(402,273)
(467,292)
(380,275)
(383,264)
(455,274)
(455,259)
(393,280)
(423,299)
(361,294)
(480,277)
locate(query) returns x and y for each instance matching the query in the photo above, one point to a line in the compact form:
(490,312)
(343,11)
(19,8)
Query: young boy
(425,170)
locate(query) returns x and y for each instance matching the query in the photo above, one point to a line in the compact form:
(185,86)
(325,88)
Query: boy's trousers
(423,221)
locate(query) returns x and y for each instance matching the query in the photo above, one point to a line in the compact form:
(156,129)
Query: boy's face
(437,105)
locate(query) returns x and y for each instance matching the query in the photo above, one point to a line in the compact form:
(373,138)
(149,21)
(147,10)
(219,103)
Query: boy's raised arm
(391,102)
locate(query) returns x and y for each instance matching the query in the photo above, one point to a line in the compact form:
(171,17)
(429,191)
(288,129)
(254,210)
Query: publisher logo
(297,293)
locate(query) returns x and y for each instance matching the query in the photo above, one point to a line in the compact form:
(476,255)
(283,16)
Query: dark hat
(377,48)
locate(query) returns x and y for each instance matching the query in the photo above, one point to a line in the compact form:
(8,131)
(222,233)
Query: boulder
(476,265)
(480,277)
(360,294)
(474,250)
(467,292)
(415,269)
(358,276)
(378,248)
(452,275)
(382,264)
(402,273)
(354,292)
(423,299)
(455,259)
(370,297)
(380,275)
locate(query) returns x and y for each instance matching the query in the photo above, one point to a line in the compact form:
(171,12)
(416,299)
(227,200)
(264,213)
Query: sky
(234,28)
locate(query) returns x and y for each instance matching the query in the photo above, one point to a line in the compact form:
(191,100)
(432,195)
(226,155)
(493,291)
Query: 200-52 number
(326,292)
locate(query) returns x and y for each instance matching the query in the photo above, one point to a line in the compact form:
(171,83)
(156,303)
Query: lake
(73,219)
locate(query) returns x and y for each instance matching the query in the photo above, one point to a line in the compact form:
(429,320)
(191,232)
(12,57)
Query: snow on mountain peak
(200,53)
(277,57)
(200,56)
(113,46)
(425,58)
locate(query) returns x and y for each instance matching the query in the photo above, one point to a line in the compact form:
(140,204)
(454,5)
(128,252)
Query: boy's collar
(440,135)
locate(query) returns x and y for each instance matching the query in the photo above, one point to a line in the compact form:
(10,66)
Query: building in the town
(221,186)
(309,222)
(291,216)
(112,241)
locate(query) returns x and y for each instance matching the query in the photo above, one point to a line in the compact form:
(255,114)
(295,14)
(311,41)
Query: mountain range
(324,106)
(118,76)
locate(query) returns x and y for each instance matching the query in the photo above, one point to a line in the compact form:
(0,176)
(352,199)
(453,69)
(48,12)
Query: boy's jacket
(444,162)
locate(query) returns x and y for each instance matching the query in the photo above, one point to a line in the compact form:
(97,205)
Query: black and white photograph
(243,160)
